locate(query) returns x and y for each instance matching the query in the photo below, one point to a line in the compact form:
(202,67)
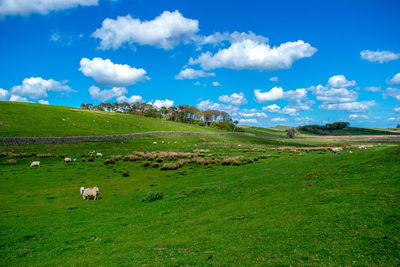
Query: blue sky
(264,62)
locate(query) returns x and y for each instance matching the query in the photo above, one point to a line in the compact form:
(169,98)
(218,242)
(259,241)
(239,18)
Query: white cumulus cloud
(26,7)
(106,73)
(274,94)
(216,84)
(277,120)
(393,92)
(132,99)
(165,31)
(274,79)
(395,79)
(44,102)
(352,107)
(245,121)
(255,55)
(37,87)
(17,98)
(3,94)
(189,73)
(272,108)
(328,94)
(358,116)
(379,56)
(396,110)
(373,88)
(104,95)
(207,104)
(163,103)
(235,99)
(340,81)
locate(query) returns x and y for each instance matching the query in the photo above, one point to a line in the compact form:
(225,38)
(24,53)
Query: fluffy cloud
(393,92)
(396,110)
(3,94)
(255,55)
(132,99)
(245,121)
(106,73)
(104,95)
(44,102)
(272,108)
(274,79)
(289,111)
(165,31)
(37,87)
(276,120)
(234,99)
(358,116)
(207,104)
(163,103)
(17,98)
(328,94)
(379,56)
(252,113)
(395,79)
(26,7)
(340,81)
(189,73)
(352,107)
(216,84)
(304,120)
(275,93)
(197,83)
(219,38)
(373,88)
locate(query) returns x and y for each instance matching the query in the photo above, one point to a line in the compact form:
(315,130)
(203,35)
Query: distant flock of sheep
(198,156)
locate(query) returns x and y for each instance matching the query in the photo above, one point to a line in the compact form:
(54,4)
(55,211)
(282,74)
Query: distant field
(359,131)
(273,208)
(27,119)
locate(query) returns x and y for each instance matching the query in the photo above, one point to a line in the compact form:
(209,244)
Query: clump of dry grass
(48,155)
(233,160)
(109,161)
(10,162)
(131,158)
(201,151)
(147,164)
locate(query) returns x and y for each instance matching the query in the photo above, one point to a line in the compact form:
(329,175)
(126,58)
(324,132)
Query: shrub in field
(291,133)
(83,159)
(153,196)
(91,159)
(155,165)
(131,158)
(233,160)
(125,173)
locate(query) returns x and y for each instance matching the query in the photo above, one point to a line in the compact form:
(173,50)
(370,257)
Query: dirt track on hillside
(371,138)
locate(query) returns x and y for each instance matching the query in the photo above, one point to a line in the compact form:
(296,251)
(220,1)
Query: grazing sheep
(67,160)
(362,147)
(335,149)
(154,143)
(91,192)
(35,164)
(351,152)
(99,155)
(162,142)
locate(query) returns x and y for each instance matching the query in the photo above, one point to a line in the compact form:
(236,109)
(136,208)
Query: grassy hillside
(263,213)
(358,131)
(27,119)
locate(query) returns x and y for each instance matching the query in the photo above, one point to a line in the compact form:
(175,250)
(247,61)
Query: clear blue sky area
(264,62)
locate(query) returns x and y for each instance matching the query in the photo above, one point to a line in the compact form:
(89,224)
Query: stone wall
(75,139)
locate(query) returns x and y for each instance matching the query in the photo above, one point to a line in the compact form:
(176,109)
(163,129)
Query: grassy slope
(358,131)
(241,215)
(26,119)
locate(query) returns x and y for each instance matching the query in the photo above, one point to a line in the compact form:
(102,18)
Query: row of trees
(181,113)
(324,129)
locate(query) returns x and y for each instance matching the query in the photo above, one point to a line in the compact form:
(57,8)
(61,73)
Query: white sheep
(99,155)
(154,143)
(162,142)
(362,147)
(35,164)
(91,192)
(67,160)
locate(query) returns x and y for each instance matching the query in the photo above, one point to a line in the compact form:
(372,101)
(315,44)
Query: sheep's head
(82,190)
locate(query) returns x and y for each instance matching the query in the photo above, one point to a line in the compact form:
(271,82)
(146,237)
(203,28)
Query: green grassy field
(275,208)
(27,119)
